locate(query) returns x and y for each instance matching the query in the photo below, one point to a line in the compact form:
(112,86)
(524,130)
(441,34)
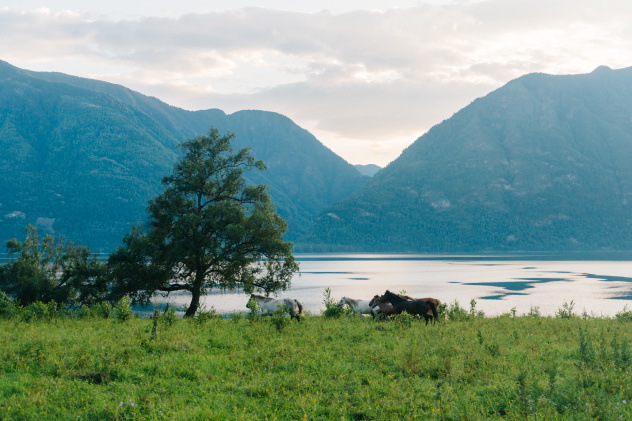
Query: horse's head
(342,301)
(374,301)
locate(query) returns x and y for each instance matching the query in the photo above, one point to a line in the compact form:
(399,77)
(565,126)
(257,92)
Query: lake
(598,283)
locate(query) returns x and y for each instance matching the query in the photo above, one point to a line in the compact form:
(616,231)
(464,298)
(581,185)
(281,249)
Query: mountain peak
(602,69)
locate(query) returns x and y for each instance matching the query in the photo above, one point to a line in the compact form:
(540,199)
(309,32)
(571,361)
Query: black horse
(416,307)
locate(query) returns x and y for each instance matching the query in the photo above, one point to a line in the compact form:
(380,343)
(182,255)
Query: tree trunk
(195,303)
(196,292)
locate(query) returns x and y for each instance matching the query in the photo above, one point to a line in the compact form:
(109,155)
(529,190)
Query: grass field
(87,367)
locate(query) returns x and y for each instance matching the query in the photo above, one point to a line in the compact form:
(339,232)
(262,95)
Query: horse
(385,308)
(417,307)
(358,306)
(269,305)
(436,302)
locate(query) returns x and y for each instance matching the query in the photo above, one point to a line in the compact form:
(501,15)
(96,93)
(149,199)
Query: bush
(122,310)
(280,318)
(204,315)
(236,316)
(622,316)
(100,310)
(403,320)
(254,315)
(332,310)
(566,311)
(7,306)
(169,317)
(39,311)
(455,312)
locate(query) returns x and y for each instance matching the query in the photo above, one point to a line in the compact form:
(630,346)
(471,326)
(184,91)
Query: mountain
(81,157)
(543,163)
(369,169)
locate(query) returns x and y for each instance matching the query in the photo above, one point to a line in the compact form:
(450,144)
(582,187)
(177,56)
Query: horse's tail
(300,306)
(433,308)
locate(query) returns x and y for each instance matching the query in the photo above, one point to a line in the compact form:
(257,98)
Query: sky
(366,77)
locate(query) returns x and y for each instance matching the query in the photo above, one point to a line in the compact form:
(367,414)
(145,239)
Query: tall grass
(507,367)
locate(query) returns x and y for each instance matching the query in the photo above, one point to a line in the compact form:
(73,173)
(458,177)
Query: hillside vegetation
(542,163)
(81,158)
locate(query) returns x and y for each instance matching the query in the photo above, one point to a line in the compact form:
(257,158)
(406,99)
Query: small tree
(48,270)
(207,229)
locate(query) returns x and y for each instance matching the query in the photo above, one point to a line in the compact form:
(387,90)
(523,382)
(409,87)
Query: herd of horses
(379,306)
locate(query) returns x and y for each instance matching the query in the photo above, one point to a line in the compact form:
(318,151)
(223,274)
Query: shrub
(38,311)
(169,317)
(280,318)
(403,320)
(332,310)
(566,311)
(7,306)
(122,310)
(254,315)
(236,316)
(101,309)
(534,312)
(455,312)
(622,316)
(204,315)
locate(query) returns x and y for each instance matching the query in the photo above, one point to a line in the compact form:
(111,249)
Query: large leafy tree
(208,229)
(47,269)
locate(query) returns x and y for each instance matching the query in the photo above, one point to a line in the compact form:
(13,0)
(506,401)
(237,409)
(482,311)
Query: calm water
(598,283)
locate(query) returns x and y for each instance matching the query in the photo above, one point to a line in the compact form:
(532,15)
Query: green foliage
(209,228)
(46,269)
(280,318)
(566,311)
(332,309)
(403,320)
(203,315)
(236,316)
(534,312)
(39,311)
(92,368)
(101,309)
(625,315)
(254,315)
(170,317)
(7,306)
(455,312)
(122,310)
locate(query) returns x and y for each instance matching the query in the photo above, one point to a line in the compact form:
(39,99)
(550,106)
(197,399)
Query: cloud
(356,78)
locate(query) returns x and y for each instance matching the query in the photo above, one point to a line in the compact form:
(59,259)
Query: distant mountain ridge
(368,169)
(81,157)
(542,163)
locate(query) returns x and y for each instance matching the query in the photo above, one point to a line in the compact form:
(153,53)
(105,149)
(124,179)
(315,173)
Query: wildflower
(624,402)
(121,404)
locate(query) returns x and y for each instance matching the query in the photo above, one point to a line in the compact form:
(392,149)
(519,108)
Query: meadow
(107,364)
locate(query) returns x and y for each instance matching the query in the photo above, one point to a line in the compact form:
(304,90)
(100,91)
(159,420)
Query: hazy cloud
(363,80)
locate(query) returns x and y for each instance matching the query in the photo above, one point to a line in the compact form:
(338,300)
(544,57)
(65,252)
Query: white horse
(269,305)
(358,306)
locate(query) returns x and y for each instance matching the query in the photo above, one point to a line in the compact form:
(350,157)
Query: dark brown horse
(386,307)
(436,302)
(415,307)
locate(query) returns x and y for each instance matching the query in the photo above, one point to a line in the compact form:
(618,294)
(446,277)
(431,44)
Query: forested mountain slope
(543,163)
(81,157)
